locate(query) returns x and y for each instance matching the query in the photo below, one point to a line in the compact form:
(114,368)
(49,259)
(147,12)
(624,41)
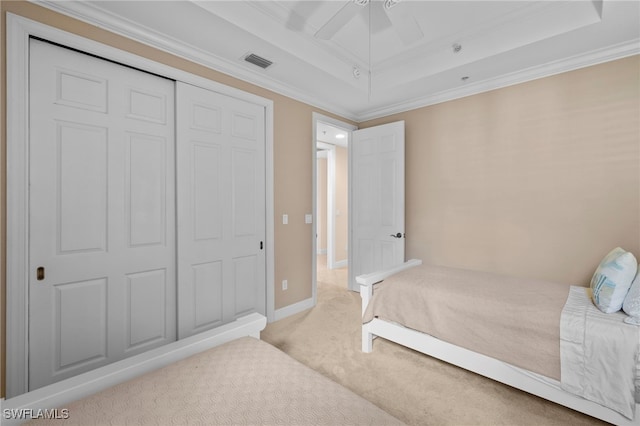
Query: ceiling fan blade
(404,23)
(339,20)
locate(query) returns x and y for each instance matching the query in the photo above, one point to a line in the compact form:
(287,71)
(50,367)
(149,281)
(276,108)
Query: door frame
(327,155)
(315,118)
(330,203)
(18,32)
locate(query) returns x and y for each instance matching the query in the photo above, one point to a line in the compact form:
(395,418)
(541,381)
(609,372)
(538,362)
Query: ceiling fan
(399,17)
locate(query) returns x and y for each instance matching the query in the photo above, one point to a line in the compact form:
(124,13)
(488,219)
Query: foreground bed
(240,380)
(529,361)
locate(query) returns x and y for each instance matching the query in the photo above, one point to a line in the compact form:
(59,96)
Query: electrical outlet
(285,284)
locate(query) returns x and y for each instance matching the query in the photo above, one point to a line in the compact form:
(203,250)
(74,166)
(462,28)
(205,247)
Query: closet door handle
(40,273)
(398,235)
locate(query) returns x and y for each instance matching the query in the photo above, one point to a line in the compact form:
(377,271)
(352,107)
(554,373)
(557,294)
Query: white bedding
(599,354)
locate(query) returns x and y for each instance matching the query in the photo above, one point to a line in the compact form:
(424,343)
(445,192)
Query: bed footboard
(366,282)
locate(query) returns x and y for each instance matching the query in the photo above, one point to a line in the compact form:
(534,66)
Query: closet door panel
(101,213)
(146,308)
(207,202)
(207,295)
(146,190)
(244,276)
(80,343)
(221,215)
(244,198)
(82,205)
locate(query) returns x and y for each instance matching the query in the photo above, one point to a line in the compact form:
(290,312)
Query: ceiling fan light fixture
(388,4)
(456,47)
(361,2)
(356,72)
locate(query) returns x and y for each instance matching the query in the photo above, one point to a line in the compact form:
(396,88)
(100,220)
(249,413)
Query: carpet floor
(415,388)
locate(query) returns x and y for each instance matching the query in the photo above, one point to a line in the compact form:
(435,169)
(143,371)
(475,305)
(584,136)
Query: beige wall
(540,179)
(342,204)
(292,158)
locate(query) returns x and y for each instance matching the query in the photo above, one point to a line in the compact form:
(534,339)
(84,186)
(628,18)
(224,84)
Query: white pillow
(612,279)
(631,303)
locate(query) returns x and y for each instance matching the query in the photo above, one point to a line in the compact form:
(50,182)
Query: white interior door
(101,213)
(377,199)
(221,209)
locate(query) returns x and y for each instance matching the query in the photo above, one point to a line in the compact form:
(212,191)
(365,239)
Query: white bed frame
(492,368)
(20,408)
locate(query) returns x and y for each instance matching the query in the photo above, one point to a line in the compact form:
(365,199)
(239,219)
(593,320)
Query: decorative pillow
(612,279)
(631,304)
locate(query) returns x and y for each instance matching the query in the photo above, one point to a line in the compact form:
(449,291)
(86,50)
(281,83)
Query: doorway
(331,200)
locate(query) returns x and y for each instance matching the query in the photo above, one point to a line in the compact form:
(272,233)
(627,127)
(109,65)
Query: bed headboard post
(367,281)
(366,293)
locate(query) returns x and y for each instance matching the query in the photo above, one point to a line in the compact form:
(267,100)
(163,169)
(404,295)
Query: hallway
(331,277)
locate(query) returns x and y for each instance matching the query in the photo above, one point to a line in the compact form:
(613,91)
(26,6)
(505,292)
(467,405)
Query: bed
(466,318)
(226,377)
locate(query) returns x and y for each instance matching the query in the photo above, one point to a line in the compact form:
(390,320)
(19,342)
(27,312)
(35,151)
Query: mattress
(514,320)
(243,382)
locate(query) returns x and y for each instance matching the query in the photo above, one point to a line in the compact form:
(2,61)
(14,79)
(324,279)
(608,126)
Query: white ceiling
(408,50)
(332,135)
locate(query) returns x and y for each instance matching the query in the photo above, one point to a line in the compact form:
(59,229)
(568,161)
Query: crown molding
(85,12)
(572,63)
(90,14)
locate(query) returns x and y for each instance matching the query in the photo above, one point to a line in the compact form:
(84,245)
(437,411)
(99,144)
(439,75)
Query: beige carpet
(413,387)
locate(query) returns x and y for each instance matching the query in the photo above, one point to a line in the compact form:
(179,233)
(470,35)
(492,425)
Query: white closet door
(101,213)
(221,209)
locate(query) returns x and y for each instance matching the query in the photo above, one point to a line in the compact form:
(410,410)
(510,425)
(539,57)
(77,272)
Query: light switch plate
(285,219)
(308,218)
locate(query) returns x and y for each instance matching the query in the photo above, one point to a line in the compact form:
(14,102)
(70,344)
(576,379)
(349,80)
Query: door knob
(398,235)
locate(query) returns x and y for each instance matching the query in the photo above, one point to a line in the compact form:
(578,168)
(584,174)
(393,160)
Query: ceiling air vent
(257,60)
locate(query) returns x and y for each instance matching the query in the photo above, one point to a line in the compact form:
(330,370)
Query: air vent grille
(258,60)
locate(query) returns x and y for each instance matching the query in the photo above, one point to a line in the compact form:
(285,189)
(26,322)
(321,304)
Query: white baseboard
(341,264)
(287,311)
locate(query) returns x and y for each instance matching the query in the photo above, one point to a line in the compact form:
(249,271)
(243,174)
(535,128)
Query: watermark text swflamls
(31,414)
